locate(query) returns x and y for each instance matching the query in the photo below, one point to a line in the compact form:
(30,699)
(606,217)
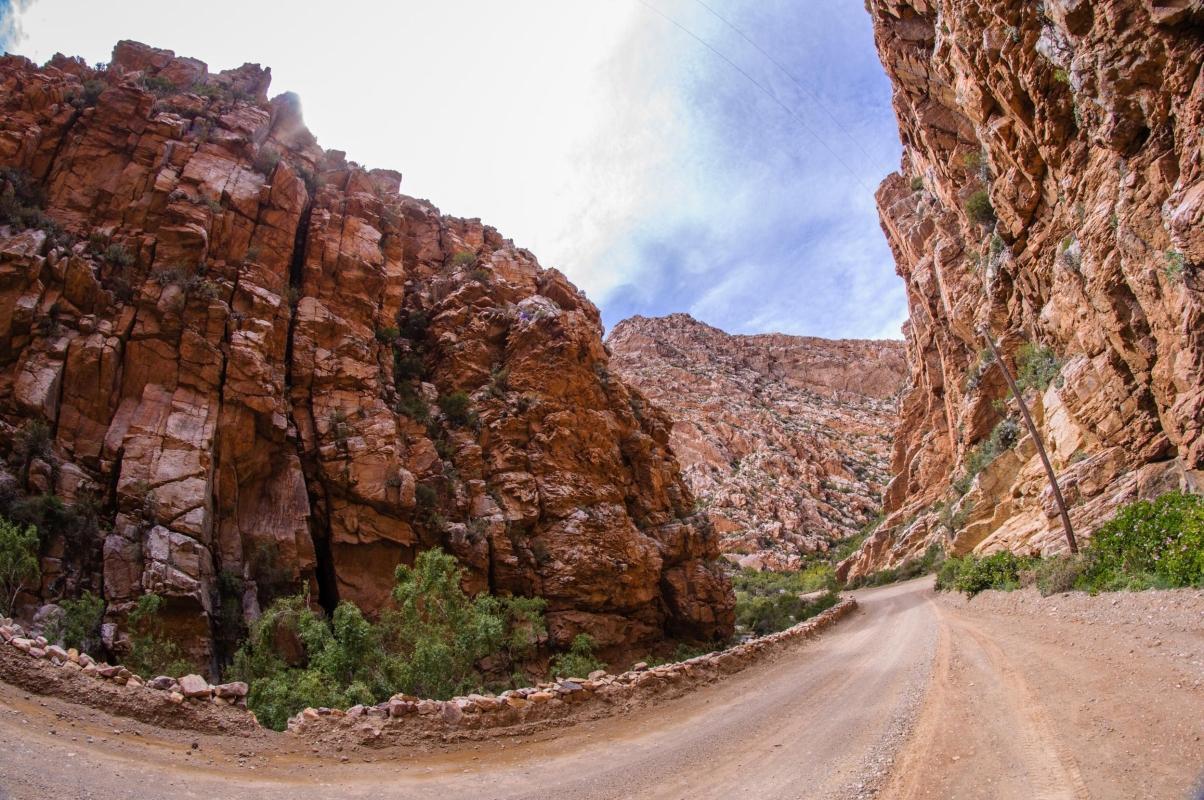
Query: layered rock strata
(1052,191)
(251,366)
(785,440)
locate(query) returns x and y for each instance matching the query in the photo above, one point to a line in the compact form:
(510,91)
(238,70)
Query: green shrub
(413,324)
(22,202)
(764,614)
(152,650)
(997,571)
(979,208)
(79,624)
(464,259)
(265,160)
(293,659)
(1058,574)
(579,661)
(90,94)
(1163,538)
(439,630)
(917,183)
(1176,265)
(456,407)
(1003,437)
(1061,76)
(428,645)
(408,367)
(18,562)
(119,255)
(386,335)
(499,381)
(1036,367)
(765,583)
(948,573)
(158,85)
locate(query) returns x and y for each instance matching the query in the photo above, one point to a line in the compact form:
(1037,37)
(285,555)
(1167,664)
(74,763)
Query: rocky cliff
(1052,191)
(234,364)
(784,440)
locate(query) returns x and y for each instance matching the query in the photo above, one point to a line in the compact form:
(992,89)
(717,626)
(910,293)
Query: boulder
(195,686)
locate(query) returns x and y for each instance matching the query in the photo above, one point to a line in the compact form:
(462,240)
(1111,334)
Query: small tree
(18,561)
(437,629)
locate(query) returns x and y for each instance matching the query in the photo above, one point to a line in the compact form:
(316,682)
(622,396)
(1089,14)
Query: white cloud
(584,130)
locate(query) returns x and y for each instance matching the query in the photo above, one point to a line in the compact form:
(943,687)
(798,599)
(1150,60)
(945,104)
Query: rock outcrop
(248,365)
(784,440)
(1052,191)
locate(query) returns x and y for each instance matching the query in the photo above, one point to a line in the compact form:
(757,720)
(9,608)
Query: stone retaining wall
(191,702)
(404,718)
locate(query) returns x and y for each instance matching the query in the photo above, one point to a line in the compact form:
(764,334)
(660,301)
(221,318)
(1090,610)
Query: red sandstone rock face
(785,440)
(239,358)
(1083,123)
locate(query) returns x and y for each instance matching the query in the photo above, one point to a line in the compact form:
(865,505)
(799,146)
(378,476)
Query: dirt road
(913,697)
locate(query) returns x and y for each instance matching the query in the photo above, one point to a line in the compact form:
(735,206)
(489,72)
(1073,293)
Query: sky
(650,149)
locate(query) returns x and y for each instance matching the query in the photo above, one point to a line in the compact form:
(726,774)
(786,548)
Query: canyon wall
(235,365)
(785,440)
(1052,193)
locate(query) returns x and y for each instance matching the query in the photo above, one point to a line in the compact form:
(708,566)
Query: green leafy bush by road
(79,624)
(810,579)
(764,614)
(579,661)
(428,644)
(1148,544)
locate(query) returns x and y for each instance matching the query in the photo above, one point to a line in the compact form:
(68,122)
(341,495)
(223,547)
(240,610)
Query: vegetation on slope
(429,644)
(1155,544)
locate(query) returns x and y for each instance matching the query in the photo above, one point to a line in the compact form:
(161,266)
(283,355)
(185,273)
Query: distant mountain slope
(785,439)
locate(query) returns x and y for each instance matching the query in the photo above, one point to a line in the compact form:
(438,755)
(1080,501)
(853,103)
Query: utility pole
(1032,428)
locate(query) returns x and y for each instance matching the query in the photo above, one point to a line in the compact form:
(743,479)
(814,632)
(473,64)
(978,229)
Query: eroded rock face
(249,353)
(1082,124)
(785,440)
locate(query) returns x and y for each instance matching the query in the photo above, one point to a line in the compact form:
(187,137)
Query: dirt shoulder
(1069,696)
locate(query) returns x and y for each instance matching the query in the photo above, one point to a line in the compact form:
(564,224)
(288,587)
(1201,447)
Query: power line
(782,68)
(768,93)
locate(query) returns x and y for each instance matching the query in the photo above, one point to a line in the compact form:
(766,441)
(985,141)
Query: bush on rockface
(429,644)
(1156,544)
(1036,367)
(979,208)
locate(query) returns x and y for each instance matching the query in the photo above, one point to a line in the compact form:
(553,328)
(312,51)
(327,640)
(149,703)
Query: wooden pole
(1032,428)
